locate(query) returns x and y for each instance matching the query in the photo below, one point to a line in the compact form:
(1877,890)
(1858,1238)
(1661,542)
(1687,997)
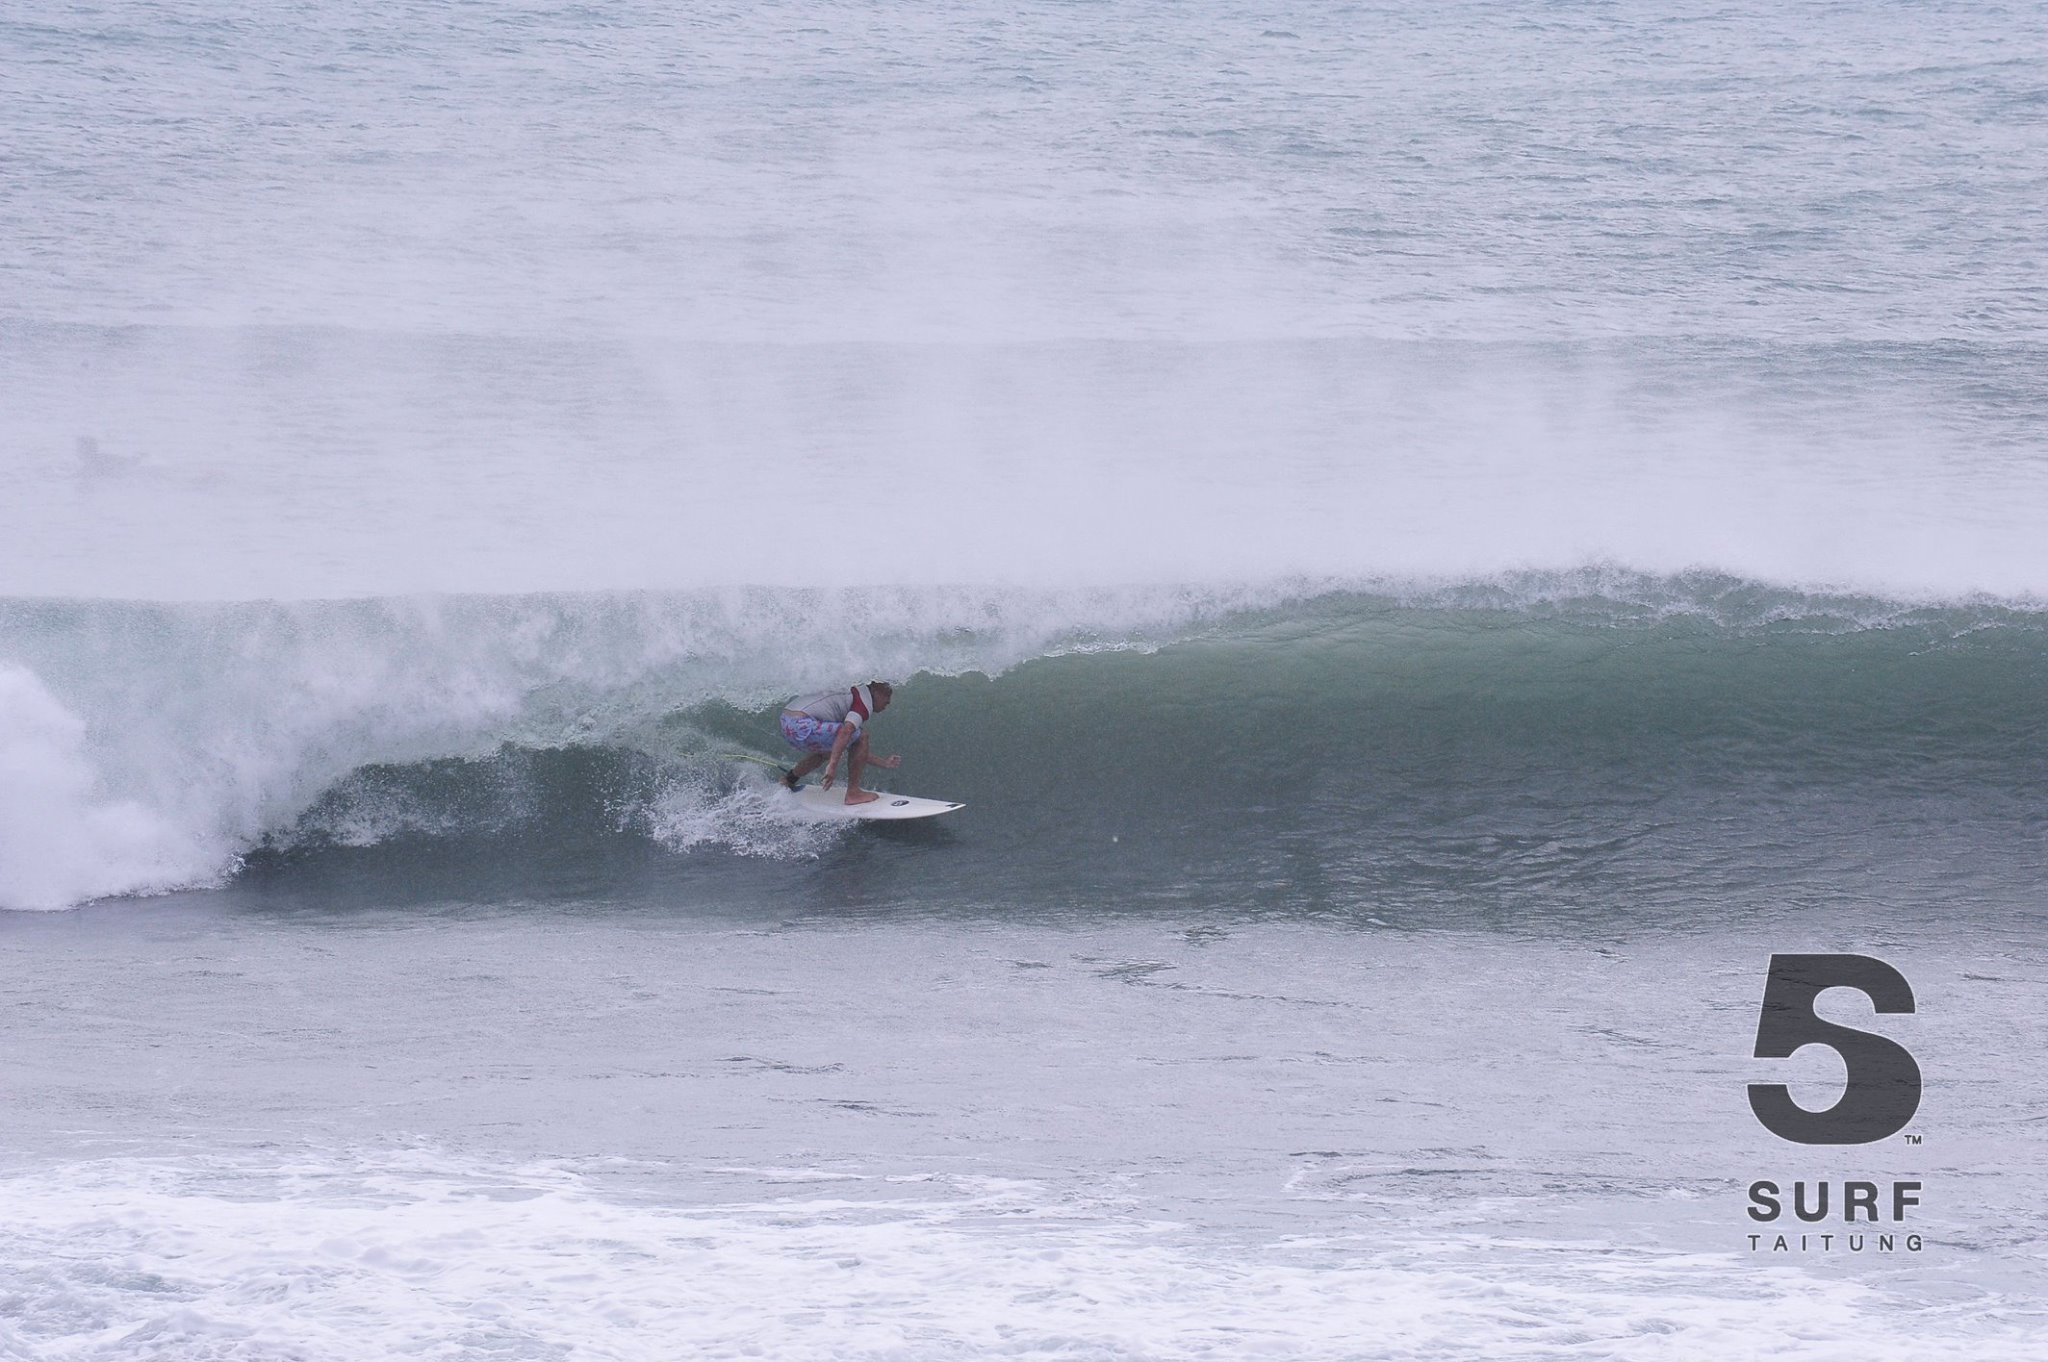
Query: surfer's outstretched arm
(856,764)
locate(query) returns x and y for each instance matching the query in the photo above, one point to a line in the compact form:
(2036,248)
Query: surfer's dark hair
(882,686)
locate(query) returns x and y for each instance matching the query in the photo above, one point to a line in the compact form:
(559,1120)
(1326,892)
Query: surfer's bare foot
(861,796)
(789,780)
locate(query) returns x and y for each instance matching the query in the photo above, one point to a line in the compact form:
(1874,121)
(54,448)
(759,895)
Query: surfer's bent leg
(856,762)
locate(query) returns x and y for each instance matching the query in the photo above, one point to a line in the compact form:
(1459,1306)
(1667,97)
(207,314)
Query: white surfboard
(819,802)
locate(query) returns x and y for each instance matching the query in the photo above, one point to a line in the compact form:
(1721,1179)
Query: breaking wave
(152,747)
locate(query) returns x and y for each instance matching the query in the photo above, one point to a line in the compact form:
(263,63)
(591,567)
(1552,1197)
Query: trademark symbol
(1912,1139)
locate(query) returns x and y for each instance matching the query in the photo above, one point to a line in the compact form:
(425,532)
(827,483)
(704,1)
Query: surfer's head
(881,690)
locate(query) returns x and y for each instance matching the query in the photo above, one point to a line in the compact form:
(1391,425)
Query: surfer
(832,724)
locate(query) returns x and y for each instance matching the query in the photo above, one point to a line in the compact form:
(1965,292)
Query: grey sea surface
(308,300)
(1149,1133)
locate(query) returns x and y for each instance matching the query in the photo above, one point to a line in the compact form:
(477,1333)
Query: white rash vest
(850,705)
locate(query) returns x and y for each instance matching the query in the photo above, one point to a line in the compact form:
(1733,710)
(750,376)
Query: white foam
(699,810)
(62,838)
(414,1254)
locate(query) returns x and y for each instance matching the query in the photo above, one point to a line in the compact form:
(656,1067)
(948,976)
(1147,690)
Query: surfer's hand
(889,762)
(827,782)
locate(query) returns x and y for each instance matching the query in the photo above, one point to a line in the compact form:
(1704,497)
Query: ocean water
(1432,540)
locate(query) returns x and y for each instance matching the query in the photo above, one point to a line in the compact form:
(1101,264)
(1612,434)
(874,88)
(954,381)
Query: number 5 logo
(1883,1090)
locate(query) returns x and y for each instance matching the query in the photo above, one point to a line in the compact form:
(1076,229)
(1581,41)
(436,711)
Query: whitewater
(1431,541)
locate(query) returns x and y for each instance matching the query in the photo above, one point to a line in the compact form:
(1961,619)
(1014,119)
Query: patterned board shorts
(812,735)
